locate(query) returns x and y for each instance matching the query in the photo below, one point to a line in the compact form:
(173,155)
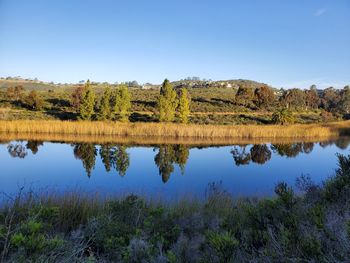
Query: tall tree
(122,103)
(264,97)
(184,106)
(293,99)
(167,102)
(330,99)
(86,109)
(77,96)
(104,111)
(312,99)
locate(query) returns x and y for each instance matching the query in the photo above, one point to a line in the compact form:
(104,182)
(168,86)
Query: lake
(164,171)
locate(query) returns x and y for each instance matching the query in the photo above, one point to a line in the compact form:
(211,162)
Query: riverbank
(172,131)
(78,227)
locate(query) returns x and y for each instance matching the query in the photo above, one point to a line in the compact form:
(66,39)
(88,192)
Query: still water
(164,171)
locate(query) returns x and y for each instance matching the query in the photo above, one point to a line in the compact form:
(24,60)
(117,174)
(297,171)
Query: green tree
(34,101)
(167,102)
(86,109)
(122,103)
(184,106)
(104,111)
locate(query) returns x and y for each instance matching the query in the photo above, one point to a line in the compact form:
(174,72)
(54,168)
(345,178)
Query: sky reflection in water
(164,171)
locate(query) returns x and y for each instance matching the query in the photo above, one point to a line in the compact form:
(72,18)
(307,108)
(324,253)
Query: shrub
(283,117)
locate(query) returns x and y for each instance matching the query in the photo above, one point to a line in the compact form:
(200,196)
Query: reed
(173,130)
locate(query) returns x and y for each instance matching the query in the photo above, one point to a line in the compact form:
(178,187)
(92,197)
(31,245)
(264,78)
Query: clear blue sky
(283,43)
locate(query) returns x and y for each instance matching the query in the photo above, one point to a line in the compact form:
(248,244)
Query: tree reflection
(86,152)
(289,150)
(34,146)
(260,153)
(107,154)
(122,160)
(182,153)
(167,156)
(17,150)
(343,143)
(116,157)
(240,155)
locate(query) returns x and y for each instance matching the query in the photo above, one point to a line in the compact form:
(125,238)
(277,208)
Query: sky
(290,43)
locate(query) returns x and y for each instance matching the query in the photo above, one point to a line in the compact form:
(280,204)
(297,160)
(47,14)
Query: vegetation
(167,102)
(283,117)
(34,101)
(173,130)
(212,102)
(122,103)
(105,112)
(184,106)
(310,227)
(86,109)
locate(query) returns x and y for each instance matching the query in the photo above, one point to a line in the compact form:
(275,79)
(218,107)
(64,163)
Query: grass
(75,227)
(172,130)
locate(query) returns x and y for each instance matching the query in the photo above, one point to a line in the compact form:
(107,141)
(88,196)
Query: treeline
(330,99)
(116,104)
(173,103)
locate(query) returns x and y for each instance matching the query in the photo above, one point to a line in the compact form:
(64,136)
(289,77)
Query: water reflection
(86,152)
(167,156)
(115,158)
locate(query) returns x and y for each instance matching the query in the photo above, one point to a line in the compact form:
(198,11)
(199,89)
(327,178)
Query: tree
(122,103)
(104,112)
(345,100)
(293,99)
(86,109)
(264,97)
(184,106)
(244,95)
(77,96)
(282,117)
(34,101)
(15,93)
(312,99)
(167,102)
(330,99)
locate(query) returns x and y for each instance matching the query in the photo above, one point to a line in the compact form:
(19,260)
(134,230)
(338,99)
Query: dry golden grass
(142,140)
(153,132)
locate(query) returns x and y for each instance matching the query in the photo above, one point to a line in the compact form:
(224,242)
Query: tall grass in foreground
(172,130)
(313,227)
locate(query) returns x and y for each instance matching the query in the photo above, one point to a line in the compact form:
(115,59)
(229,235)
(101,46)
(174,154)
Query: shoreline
(168,133)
